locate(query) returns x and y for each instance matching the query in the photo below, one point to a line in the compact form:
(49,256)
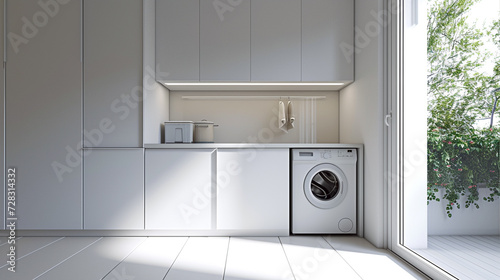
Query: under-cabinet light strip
(210,97)
(254,84)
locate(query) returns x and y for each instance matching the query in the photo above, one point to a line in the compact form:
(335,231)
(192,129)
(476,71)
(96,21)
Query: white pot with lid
(204,131)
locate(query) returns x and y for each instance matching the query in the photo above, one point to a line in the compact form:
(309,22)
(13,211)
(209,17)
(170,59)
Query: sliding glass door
(443,135)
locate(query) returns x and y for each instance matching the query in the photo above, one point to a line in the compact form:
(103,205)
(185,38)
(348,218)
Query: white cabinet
(2,123)
(113,73)
(43,112)
(275,40)
(255,40)
(253,190)
(178,39)
(327,37)
(225,40)
(114,189)
(233,191)
(203,40)
(179,188)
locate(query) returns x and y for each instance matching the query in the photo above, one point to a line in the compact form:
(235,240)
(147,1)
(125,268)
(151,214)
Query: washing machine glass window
(325,186)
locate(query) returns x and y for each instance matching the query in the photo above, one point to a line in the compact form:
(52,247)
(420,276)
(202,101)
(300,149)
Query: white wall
(254,119)
(361,113)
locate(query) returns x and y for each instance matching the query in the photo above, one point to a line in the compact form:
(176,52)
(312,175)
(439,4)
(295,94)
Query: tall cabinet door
(113,73)
(114,189)
(224,40)
(327,28)
(178,39)
(43,112)
(2,121)
(275,43)
(250,203)
(179,188)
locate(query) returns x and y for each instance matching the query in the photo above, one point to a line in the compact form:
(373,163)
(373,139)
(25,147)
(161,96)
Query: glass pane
(325,185)
(457,225)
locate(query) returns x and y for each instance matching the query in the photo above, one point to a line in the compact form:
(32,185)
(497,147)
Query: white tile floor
(200,258)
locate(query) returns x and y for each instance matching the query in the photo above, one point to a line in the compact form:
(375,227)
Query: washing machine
(323,191)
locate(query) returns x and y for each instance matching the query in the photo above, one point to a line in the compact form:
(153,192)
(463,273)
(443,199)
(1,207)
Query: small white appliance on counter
(324,191)
(204,131)
(179,132)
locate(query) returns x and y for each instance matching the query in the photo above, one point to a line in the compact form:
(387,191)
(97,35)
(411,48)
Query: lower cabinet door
(253,191)
(179,188)
(114,189)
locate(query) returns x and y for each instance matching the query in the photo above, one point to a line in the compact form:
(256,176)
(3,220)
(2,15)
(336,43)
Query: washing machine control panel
(326,154)
(338,153)
(347,153)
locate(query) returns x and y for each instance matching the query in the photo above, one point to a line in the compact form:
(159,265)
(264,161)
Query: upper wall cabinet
(202,40)
(327,37)
(225,40)
(275,47)
(113,73)
(178,39)
(255,40)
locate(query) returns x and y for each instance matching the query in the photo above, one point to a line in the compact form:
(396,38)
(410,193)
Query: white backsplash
(255,120)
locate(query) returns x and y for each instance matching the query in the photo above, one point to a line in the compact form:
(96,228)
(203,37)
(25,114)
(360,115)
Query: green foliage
(460,164)
(461,157)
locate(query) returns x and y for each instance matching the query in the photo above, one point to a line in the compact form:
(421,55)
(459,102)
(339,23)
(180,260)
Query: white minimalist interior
(86,89)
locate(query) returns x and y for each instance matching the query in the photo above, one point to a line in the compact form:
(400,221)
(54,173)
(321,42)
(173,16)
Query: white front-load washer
(324,191)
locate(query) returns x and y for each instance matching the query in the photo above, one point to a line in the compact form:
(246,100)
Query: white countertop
(251,145)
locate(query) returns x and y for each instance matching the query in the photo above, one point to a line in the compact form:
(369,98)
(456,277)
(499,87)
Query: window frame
(393,136)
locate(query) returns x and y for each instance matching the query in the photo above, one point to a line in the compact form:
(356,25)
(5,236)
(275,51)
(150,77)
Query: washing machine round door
(325,186)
